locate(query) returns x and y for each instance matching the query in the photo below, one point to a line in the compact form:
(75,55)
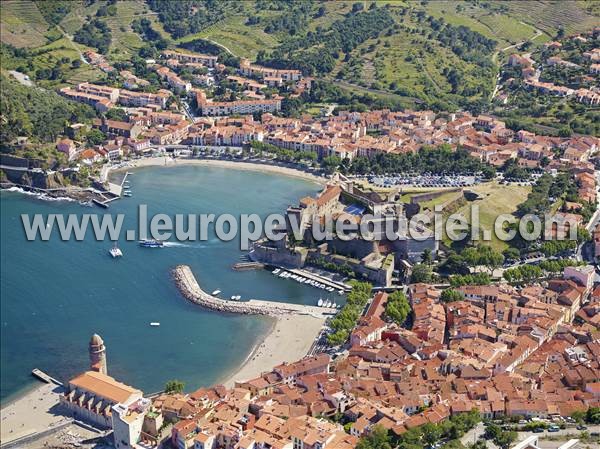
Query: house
(67,147)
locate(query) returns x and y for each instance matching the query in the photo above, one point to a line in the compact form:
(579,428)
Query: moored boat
(115,251)
(216,292)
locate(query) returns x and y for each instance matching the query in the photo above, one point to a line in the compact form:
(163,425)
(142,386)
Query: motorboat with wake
(151,243)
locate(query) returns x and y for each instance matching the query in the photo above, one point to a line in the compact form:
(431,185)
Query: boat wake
(183,245)
(39,195)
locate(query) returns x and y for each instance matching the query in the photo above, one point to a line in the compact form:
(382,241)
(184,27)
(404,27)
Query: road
(21,78)
(75,47)
(474,434)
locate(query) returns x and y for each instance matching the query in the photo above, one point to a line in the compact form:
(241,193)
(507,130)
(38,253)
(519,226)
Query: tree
(95,136)
(421,273)
(506,439)
(511,253)
(331,163)
(431,433)
(397,307)
(118,114)
(378,438)
(174,386)
(426,257)
(593,415)
(451,295)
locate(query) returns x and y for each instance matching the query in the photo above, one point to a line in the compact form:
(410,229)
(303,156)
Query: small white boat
(154,324)
(276,270)
(328,304)
(233,297)
(320,302)
(329,289)
(341,292)
(216,292)
(115,251)
(127,194)
(238,297)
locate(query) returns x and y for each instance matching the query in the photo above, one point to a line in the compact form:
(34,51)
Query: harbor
(190,289)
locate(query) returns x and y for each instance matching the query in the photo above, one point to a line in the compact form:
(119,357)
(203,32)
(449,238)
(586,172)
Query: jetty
(45,377)
(243,266)
(190,289)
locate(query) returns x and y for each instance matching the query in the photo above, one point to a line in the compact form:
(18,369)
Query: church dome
(96,340)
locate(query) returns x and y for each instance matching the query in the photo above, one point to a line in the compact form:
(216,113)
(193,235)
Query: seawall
(190,289)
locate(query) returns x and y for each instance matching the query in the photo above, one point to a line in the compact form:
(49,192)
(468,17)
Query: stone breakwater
(190,289)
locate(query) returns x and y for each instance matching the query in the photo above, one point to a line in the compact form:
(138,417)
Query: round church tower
(97,354)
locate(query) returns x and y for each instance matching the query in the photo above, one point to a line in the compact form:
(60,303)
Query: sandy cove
(289,339)
(32,412)
(249,166)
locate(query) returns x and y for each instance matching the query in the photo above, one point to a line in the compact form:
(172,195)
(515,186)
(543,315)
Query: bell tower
(97,354)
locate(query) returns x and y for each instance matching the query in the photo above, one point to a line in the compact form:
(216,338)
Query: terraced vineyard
(239,38)
(492,23)
(22,24)
(549,16)
(125,42)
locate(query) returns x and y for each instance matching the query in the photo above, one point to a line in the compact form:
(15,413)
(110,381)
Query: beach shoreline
(289,339)
(32,411)
(165,161)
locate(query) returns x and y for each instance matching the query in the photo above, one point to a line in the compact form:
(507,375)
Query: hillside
(439,53)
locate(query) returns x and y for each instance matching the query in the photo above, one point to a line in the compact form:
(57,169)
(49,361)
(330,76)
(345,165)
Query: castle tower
(97,354)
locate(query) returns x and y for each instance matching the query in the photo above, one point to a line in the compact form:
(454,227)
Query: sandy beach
(289,340)
(33,412)
(252,166)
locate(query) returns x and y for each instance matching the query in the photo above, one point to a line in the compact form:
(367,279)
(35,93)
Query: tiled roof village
(152,120)
(530,352)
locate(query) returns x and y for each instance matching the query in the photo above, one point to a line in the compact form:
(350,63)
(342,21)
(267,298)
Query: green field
(495,199)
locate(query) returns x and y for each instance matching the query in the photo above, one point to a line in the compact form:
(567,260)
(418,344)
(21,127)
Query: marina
(311,279)
(190,289)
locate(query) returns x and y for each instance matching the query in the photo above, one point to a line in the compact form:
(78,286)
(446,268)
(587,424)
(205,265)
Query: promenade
(190,289)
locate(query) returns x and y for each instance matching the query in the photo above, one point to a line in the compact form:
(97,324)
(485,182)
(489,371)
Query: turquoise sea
(55,294)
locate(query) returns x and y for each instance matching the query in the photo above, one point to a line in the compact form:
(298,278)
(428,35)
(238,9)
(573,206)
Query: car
(581,427)
(553,429)
(538,430)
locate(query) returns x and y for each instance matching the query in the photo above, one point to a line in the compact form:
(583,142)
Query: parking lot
(422,180)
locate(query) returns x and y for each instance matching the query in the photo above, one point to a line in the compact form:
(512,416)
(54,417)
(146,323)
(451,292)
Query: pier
(190,289)
(45,377)
(243,266)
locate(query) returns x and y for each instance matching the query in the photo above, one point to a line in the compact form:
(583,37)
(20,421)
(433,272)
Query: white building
(127,423)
